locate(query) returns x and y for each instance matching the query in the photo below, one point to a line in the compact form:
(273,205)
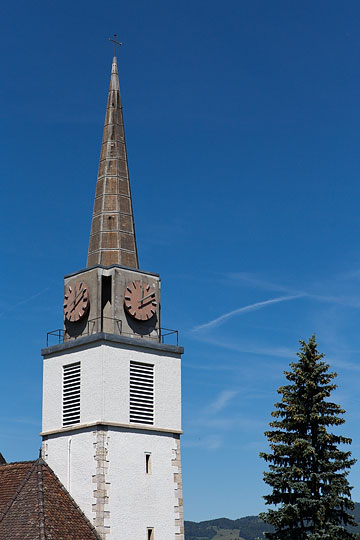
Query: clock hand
(77,295)
(148,296)
(77,301)
(146,304)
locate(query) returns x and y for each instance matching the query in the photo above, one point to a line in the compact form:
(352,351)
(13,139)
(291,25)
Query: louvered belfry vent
(71,394)
(141,393)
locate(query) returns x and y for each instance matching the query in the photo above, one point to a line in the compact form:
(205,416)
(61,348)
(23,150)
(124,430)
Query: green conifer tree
(307,469)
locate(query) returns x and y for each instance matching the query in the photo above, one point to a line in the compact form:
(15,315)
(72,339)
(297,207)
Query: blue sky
(243,123)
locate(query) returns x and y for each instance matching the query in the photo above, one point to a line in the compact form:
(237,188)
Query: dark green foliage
(250,527)
(307,469)
(199,531)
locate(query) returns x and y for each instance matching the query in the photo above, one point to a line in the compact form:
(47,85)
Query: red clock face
(140,300)
(76,301)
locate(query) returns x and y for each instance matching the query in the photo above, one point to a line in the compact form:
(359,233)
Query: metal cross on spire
(115,43)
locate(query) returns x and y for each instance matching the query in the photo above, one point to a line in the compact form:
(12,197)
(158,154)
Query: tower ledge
(115,425)
(102,267)
(102,338)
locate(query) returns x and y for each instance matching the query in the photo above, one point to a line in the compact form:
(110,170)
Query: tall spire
(112,237)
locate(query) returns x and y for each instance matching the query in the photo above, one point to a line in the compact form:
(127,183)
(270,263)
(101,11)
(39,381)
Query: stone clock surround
(113,311)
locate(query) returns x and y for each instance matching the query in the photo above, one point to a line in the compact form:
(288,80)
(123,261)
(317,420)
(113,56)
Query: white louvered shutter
(71,394)
(141,393)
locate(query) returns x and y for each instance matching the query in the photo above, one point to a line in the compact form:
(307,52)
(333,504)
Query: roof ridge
(93,529)
(11,502)
(40,483)
(18,463)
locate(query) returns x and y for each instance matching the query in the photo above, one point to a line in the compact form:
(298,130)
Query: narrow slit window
(106,300)
(150,534)
(71,394)
(141,393)
(148,463)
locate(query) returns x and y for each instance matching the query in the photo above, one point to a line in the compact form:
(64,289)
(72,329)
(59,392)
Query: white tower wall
(101,460)
(136,500)
(105,375)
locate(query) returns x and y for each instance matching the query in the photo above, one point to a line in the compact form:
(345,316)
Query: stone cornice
(137,427)
(103,338)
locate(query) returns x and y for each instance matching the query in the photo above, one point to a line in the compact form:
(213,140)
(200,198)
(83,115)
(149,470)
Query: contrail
(245,309)
(25,301)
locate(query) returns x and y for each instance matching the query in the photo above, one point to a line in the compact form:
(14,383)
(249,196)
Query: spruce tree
(307,468)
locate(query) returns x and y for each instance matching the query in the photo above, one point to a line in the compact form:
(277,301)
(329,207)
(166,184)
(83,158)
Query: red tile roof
(34,505)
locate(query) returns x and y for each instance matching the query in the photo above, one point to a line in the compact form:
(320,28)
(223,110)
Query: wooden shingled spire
(112,237)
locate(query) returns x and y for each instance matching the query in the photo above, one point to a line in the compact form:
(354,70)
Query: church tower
(112,387)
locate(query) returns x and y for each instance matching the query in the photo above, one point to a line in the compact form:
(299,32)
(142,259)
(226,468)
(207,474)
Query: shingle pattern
(34,505)
(112,236)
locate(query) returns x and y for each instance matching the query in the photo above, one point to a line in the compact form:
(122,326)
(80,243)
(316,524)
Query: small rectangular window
(150,534)
(141,393)
(71,394)
(148,463)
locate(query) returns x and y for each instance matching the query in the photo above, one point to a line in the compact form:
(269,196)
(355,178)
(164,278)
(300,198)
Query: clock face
(76,301)
(140,300)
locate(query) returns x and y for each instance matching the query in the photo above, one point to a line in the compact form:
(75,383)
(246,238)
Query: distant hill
(246,528)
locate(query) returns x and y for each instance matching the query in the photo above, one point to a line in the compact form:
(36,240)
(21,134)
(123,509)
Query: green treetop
(307,469)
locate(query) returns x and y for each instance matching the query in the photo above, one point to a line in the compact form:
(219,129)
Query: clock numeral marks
(140,299)
(76,301)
